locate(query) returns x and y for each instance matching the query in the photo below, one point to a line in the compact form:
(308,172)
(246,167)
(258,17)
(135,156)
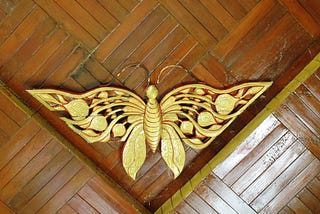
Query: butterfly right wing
(199,113)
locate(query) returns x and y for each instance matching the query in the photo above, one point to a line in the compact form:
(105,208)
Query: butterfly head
(152,92)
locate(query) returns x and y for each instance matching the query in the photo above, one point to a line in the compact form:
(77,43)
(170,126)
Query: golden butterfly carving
(194,114)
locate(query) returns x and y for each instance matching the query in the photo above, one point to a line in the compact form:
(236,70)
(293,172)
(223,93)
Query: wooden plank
(117,10)
(293,187)
(176,43)
(145,28)
(71,84)
(312,7)
(40,180)
(302,111)
(298,207)
(225,193)
(264,162)
(128,4)
(24,156)
(67,209)
(141,52)
(257,31)
(7,6)
(174,76)
(21,33)
(85,78)
(201,13)
(9,126)
(52,187)
(51,64)
(60,16)
(213,199)
(101,188)
(312,84)
(303,17)
(282,181)
(81,206)
(287,58)
(309,200)
(198,204)
(67,191)
(217,70)
(294,69)
(11,22)
(152,191)
(282,35)
(29,171)
(37,60)
(148,178)
(128,25)
(187,20)
(87,22)
(254,155)
(286,210)
(314,187)
(17,142)
(5,209)
(298,128)
(248,4)
(184,207)
(205,76)
(103,16)
(227,44)
(234,8)
(193,57)
(98,71)
(219,12)
(29,47)
(273,172)
(66,68)
(247,146)
(308,99)
(96,201)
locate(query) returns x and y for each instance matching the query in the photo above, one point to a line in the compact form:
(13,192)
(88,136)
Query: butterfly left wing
(98,115)
(199,113)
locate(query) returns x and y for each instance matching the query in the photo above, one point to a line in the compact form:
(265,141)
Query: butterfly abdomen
(152,124)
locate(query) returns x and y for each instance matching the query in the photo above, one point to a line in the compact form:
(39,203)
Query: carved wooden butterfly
(194,114)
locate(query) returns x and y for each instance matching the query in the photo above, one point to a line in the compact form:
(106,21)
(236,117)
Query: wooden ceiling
(81,44)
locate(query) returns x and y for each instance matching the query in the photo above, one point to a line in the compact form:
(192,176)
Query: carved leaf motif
(253,90)
(172,150)
(134,151)
(78,109)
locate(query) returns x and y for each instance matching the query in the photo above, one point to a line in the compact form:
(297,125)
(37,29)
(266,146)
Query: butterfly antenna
(172,67)
(135,67)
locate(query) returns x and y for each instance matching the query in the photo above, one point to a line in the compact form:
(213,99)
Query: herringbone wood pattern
(81,44)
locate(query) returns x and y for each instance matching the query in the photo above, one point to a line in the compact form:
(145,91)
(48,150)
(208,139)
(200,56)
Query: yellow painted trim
(185,190)
(71,148)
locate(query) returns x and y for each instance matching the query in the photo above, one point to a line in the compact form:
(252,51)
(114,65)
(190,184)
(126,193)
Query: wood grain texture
(78,45)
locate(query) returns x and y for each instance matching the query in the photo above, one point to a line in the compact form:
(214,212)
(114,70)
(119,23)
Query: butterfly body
(152,119)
